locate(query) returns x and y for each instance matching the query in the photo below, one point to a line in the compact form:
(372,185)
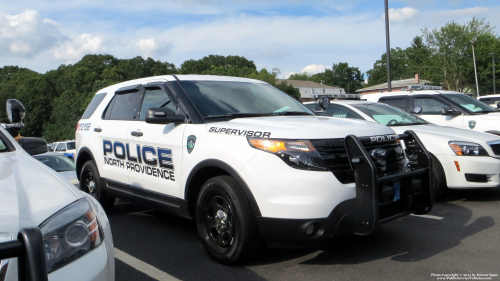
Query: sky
(292,35)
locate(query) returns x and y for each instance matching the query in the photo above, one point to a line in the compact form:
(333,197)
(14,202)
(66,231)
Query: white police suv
(247,162)
(49,230)
(462,159)
(445,108)
(67,148)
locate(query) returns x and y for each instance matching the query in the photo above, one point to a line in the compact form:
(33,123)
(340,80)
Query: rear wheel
(225,222)
(90,182)
(438,178)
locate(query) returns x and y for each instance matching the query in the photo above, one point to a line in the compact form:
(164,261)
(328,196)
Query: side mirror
(15,112)
(449,111)
(33,146)
(498,105)
(163,115)
(324,103)
(417,110)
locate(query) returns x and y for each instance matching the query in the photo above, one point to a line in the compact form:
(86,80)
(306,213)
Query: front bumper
(475,165)
(291,200)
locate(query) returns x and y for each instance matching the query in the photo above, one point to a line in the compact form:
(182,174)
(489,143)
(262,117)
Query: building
(308,89)
(397,86)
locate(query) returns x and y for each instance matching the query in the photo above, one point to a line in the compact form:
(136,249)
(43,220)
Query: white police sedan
(462,159)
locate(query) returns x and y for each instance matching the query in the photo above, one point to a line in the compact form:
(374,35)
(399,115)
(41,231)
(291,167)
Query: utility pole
(348,87)
(475,68)
(494,85)
(388,46)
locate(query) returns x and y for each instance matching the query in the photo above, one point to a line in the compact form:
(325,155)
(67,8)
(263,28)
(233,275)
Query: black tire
(226,225)
(438,179)
(90,182)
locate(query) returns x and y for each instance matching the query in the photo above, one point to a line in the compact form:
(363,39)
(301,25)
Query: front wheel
(225,222)
(90,182)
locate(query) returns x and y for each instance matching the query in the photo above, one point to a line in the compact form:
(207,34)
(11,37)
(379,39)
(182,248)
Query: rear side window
(3,147)
(71,145)
(340,112)
(96,101)
(401,103)
(124,107)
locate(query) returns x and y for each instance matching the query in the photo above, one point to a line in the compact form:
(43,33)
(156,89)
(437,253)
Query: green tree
(341,75)
(205,64)
(452,53)
(300,76)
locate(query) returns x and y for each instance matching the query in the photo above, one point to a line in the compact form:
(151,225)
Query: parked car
(246,161)
(445,108)
(462,159)
(61,164)
(67,148)
(491,100)
(48,228)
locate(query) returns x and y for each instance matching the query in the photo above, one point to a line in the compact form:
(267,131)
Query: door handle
(97,130)
(136,134)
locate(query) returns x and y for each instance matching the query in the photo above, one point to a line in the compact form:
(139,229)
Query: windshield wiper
(291,113)
(236,115)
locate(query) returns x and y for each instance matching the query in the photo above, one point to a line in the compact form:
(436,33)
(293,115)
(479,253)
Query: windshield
(388,115)
(56,162)
(470,103)
(216,99)
(70,145)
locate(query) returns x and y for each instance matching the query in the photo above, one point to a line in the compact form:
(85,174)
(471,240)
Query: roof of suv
(184,77)
(409,93)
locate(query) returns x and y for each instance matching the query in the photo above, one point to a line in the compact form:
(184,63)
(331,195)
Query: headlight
(299,154)
(467,148)
(70,234)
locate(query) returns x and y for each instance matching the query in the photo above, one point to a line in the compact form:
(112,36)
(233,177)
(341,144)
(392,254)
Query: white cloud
(27,34)
(84,44)
(274,51)
(152,48)
(403,14)
(314,68)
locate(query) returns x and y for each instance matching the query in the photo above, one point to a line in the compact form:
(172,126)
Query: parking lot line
(428,217)
(143,267)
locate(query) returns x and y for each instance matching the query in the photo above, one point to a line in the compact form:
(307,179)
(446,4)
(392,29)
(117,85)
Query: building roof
(305,84)
(395,84)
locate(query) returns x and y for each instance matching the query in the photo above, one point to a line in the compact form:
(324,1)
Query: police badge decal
(191,140)
(472,124)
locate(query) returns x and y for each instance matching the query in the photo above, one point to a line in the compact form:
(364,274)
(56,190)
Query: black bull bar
(416,189)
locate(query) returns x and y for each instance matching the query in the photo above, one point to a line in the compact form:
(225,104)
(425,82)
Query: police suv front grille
(495,148)
(476,178)
(334,153)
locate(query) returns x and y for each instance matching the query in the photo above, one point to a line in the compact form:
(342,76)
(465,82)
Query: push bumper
(362,214)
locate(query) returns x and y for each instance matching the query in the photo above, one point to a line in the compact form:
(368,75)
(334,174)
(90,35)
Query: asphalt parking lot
(461,236)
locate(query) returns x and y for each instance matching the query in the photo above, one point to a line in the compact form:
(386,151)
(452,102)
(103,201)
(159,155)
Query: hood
(490,116)
(29,192)
(447,133)
(298,127)
(435,138)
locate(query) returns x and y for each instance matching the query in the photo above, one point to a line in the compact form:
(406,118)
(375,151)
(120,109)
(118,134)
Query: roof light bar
(423,87)
(340,96)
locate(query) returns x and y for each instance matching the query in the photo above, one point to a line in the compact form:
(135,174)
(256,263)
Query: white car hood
(490,116)
(435,138)
(30,192)
(447,133)
(301,127)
